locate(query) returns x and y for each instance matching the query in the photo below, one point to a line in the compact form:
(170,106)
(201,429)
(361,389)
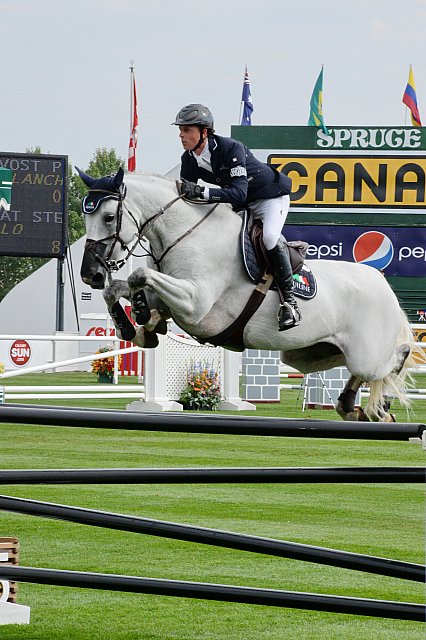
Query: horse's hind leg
(345,406)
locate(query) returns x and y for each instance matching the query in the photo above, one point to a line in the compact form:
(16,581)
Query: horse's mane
(169,180)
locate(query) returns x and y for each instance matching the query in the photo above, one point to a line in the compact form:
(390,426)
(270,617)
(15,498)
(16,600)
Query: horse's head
(103,216)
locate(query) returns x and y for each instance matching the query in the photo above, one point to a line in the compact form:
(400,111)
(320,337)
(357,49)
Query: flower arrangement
(202,389)
(105,367)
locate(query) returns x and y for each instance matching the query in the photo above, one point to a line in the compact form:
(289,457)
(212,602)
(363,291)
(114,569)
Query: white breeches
(273,213)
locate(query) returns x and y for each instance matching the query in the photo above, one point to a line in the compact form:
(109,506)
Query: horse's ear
(118,179)
(88,180)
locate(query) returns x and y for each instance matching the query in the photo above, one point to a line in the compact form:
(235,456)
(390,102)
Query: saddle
(256,262)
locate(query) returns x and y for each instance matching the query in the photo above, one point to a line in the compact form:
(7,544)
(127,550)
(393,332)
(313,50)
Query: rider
(241,180)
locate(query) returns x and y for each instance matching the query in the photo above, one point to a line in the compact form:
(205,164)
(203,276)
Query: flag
(316,118)
(133,142)
(6,179)
(246,102)
(410,99)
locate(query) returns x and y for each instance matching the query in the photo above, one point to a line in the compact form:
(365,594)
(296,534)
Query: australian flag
(246,102)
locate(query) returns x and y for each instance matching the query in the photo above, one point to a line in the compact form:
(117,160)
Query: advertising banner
(398,251)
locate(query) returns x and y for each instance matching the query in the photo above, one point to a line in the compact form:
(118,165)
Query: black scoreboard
(37,221)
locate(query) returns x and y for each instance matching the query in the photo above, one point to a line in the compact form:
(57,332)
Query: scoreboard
(36,222)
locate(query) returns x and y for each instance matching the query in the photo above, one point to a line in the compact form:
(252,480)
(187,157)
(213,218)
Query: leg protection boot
(289,315)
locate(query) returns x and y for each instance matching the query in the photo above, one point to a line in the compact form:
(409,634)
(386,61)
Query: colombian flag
(316,118)
(410,100)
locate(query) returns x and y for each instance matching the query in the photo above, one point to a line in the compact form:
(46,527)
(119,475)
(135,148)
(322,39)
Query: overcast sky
(65,68)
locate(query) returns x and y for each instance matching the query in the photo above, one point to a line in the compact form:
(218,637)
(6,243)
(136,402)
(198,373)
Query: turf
(382,520)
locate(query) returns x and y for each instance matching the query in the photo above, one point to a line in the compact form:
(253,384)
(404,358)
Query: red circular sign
(20,352)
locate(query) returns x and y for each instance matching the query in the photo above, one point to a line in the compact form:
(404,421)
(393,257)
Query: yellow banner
(328,180)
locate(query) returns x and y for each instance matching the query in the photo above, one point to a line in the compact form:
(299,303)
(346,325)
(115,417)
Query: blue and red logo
(374,249)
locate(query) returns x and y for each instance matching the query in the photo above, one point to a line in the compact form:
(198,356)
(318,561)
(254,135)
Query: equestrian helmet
(196,114)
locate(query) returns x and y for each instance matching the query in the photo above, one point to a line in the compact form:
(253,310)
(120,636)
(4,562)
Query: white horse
(197,277)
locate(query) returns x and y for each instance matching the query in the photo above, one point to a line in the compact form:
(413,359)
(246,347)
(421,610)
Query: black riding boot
(289,314)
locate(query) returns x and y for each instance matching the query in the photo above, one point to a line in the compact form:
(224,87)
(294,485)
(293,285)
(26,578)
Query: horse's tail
(397,382)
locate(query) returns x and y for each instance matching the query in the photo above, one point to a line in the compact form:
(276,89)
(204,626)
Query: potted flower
(202,389)
(104,368)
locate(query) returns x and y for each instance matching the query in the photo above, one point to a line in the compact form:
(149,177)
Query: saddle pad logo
(304,283)
(374,249)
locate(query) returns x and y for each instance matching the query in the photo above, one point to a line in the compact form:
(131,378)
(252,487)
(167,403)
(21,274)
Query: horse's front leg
(123,327)
(177,294)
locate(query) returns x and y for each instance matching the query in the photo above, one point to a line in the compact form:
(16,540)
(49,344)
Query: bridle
(112,266)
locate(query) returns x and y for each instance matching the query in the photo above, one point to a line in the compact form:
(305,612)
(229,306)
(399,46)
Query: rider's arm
(231,174)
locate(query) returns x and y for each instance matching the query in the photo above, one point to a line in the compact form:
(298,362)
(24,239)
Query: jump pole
(222,475)
(217,538)
(208,424)
(220,592)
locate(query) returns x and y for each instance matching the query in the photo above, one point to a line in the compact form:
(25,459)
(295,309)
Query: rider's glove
(191,190)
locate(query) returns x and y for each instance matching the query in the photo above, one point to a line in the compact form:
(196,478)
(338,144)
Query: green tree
(103,163)
(15,269)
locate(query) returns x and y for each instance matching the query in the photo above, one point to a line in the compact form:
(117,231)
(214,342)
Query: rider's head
(195,122)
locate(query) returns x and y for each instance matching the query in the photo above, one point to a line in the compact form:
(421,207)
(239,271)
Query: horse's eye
(109,217)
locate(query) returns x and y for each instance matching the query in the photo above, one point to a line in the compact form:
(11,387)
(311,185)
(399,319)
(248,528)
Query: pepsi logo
(374,249)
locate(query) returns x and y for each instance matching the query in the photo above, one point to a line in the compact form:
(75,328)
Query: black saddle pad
(305,285)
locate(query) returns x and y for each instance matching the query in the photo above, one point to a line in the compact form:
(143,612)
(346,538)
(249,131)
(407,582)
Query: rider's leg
(289,314)
(273,213)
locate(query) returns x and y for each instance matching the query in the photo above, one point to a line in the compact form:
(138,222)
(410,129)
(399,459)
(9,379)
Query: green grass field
(383,520)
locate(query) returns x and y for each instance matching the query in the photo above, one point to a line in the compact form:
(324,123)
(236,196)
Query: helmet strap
(201,140)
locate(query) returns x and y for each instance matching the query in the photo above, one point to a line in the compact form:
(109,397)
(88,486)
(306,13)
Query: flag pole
(242,101)
(132,63)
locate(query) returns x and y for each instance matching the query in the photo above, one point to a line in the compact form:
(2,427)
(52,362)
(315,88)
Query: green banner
(337,138)
(6,177)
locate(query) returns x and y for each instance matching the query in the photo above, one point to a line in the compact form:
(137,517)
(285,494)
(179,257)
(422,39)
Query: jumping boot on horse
(289,315)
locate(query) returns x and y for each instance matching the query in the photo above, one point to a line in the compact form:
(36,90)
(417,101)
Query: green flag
(6,177)
(316,118)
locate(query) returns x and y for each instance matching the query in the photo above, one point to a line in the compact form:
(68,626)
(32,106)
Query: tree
(15,269)
(104,162)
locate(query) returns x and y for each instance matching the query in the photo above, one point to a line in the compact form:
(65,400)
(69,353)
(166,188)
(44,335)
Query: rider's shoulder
(226,144)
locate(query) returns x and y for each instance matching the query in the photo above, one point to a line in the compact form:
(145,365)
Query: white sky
(65,68)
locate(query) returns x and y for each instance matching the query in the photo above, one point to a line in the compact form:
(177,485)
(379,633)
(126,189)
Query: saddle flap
(297,249)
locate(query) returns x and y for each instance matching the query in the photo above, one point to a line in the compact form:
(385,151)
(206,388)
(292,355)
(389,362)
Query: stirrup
(293,319)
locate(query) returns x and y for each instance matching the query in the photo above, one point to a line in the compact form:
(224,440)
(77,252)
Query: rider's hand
(191,190)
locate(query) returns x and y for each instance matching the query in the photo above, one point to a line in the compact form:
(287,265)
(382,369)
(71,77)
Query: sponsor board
(20,352)
(397,251)
(355,181)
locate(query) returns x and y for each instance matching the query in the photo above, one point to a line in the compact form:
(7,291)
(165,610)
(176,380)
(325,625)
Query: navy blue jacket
(240,176)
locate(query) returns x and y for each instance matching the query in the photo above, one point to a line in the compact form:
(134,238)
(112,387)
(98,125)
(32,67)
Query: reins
(115,265)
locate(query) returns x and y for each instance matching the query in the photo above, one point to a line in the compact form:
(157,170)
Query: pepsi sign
(373,248)
(398,251)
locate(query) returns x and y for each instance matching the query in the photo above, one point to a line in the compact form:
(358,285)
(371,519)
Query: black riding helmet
(195,114)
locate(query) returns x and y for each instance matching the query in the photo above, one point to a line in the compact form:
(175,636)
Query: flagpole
(242,101)
(132,62)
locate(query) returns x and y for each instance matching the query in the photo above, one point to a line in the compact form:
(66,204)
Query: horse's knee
(137,279)
(114,291)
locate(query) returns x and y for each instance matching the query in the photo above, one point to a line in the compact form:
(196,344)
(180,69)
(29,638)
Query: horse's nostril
(98,281)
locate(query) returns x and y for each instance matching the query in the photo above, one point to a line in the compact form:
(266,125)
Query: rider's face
(190,136)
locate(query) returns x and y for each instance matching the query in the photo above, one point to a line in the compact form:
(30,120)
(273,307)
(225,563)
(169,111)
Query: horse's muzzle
(93,270)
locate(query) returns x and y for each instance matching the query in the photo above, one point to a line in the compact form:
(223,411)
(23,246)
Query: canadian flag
(133,142)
